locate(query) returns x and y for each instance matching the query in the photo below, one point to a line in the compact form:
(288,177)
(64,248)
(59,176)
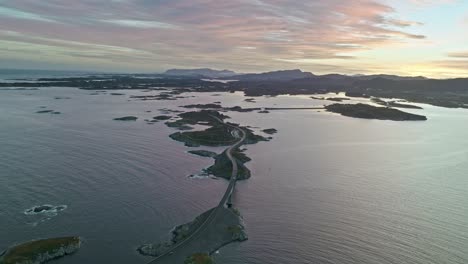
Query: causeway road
(182,245)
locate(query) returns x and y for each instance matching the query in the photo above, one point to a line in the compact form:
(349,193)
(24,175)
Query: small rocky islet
(46,208)
(270,131)
(126,118)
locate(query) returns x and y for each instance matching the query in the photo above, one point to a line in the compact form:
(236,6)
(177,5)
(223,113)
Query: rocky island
(126,118)
(218,134)
(373,112)
(223,166)
(226,227)
(40,251)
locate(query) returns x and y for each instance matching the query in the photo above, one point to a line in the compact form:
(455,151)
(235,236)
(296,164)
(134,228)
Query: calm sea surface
(326,189)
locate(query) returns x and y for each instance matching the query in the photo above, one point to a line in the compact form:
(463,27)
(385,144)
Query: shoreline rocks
(41,251)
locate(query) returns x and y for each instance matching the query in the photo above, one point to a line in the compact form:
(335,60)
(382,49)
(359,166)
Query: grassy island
(373,112)
(40,251)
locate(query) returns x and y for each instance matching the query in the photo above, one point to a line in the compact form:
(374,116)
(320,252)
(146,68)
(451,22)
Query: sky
(404,37)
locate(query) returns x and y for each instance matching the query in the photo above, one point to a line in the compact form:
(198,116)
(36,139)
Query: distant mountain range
(284,75)
(203,72)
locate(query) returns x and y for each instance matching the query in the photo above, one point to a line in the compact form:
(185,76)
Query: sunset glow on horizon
(412,37)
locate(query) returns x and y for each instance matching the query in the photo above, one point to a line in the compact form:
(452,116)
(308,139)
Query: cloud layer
(245,35)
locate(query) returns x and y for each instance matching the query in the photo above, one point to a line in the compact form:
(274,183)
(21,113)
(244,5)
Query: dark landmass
(337,99)
(162,117)
(40,251)
(178,125)
(203,116)
(203,153)
(451,93)
(223,166)
(61,98)
(204,106)
(389,77)
(167,110)
(159,97)
(126,118)
(270,131)
(264,112)
(219,107)
(218,134)
(205,72)
(286,75)
(225,228)
(317,98)
(373,112)
(44,111)
(394,104)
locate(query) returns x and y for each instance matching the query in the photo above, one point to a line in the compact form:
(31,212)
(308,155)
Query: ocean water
(326,189)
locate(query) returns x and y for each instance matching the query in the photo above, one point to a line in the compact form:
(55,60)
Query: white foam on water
(47,209)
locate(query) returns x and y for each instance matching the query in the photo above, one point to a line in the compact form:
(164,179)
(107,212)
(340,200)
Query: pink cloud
(211,32)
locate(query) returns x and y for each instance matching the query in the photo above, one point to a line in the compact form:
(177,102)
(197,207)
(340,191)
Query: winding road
(222,202)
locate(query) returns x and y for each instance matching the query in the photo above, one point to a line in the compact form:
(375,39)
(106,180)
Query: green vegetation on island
(40,251)
(223,166)
(373,112)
